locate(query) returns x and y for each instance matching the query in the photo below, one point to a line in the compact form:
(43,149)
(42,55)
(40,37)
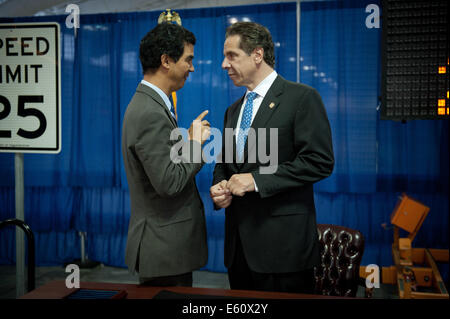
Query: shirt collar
(264,86)
(160,92)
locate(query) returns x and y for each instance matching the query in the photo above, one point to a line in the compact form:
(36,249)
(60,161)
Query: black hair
(253,35)
(165,38)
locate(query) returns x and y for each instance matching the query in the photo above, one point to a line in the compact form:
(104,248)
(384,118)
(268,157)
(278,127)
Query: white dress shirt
(261,91)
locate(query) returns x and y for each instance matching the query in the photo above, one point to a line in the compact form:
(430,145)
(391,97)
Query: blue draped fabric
(376,161)
(84,187)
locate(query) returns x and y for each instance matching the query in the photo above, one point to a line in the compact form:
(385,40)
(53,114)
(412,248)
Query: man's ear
(165,59)
(259,55)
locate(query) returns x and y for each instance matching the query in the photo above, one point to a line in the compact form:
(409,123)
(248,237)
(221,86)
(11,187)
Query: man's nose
(225,63)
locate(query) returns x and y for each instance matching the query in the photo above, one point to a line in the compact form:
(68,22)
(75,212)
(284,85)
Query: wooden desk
(58,290)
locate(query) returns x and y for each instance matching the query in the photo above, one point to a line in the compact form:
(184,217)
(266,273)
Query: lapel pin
(271,105)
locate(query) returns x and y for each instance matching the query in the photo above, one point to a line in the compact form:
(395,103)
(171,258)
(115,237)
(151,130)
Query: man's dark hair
(165,38)
(253,35)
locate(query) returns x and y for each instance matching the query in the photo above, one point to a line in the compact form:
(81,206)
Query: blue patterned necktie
(172,110)
(245,123)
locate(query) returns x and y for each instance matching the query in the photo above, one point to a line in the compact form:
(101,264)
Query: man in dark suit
(271,240)
(167,232)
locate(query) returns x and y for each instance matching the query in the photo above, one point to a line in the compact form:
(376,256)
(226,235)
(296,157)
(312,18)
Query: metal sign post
(20,214)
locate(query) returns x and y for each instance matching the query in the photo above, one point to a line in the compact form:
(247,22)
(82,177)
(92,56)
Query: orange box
(409,214)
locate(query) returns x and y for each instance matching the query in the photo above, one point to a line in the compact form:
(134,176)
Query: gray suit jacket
(167,231)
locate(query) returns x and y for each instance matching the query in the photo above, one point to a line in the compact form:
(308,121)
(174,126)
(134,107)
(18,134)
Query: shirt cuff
(256,187)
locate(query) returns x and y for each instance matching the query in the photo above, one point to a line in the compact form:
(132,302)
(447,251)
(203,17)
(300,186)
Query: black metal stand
(31,249)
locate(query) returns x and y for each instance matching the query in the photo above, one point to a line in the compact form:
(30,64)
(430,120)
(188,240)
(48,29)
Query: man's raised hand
(200,129)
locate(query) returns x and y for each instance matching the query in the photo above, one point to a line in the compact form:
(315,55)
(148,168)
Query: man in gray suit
(167,232)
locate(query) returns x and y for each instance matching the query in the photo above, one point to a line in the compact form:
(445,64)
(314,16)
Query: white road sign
(30,88)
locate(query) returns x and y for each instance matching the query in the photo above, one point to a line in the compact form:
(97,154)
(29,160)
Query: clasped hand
(222,193)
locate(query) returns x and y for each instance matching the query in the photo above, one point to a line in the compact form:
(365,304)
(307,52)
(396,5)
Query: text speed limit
(30,108)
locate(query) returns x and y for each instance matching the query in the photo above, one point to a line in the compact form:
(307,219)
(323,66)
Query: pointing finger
(201,116)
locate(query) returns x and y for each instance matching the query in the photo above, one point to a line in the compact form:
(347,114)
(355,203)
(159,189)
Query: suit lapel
(157,98)
(234,112)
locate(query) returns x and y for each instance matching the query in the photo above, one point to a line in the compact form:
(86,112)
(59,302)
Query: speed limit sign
(30,88)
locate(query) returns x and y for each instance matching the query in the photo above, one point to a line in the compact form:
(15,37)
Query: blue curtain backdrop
(375,160)
(84,187)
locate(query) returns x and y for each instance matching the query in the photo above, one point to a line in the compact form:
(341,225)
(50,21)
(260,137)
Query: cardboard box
(409,215)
